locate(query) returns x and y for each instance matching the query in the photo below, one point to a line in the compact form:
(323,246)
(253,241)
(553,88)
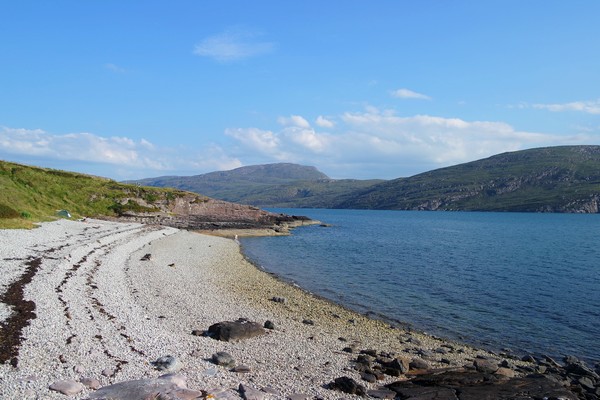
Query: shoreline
(113,298)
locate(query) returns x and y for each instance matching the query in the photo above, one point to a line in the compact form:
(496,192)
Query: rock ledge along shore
(105,310)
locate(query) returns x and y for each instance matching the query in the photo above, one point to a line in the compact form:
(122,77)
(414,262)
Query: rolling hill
(551,179)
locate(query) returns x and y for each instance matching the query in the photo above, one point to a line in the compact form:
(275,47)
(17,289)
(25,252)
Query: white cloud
(588,107)
(294,120)
(324,122)
(387,145)
(124,155)
(409,94)
(233,45)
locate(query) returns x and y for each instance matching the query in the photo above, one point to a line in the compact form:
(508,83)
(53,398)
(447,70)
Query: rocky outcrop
(195,212)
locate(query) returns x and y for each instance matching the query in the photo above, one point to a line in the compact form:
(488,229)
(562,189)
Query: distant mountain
(551,179)
(269,185)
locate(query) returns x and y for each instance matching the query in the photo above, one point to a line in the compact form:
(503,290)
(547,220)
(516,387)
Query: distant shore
(112,298)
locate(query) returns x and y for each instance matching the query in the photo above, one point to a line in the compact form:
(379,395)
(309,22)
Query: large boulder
(229,331)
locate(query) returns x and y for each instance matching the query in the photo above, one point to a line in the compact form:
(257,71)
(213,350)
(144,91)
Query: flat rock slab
(479,386)
(164,388)
(229,331)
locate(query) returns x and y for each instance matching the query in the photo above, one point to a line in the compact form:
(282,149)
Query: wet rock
(223,359)
(67,387)
(241,329)
(579,368)
(529,358)
(348,385)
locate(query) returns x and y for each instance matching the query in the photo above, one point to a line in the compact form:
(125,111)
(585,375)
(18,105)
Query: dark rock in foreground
(480,386)
(228,331)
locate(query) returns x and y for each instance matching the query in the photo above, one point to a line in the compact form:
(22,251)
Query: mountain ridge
(547,179)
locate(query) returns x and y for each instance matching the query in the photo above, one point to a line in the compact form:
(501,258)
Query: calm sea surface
(528,282)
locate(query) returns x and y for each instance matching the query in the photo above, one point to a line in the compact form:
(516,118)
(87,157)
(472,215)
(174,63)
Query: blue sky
(359,89)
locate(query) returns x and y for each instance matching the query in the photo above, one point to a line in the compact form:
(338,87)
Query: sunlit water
(527,282)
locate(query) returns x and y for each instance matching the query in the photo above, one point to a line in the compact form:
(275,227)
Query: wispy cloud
(409,94)
(233,45)
(115,153)
(588,107)
(115,68)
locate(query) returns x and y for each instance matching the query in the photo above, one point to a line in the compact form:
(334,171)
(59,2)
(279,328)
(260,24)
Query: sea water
(520,281)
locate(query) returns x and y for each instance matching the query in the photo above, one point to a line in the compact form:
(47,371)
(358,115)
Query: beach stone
(90,383)
(486,366)
(506,372)
(368,377)
(277,299)
(418,363)
(269,325)
(108,372)
(223,359)
(162,388)
(242,369)
(579,368)
(400,364)
(241,329)
(529,358)
(347,385)
(298,396)
(250,393)
(308,322)
(67,387)
(167,363)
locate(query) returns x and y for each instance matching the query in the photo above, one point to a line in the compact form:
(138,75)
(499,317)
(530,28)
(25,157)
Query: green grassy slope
(30,194)
(553,179)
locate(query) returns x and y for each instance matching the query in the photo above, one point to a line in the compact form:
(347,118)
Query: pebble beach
(112,301)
